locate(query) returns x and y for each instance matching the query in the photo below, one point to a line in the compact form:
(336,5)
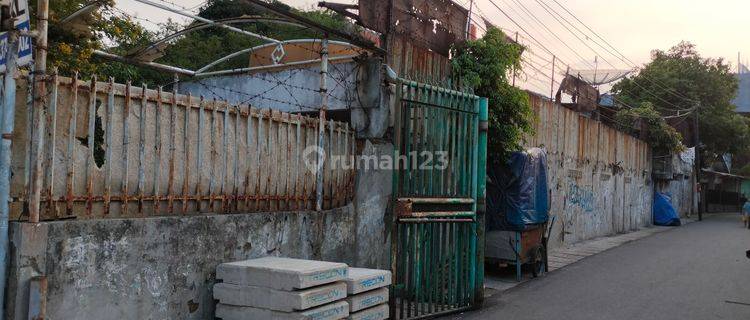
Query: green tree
(485,64)
(662,137)
(71,49)
(680,79)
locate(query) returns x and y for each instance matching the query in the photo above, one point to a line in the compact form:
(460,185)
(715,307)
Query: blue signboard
(20,10)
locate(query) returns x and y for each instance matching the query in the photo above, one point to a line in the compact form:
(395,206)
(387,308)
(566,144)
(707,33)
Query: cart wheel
(537,262)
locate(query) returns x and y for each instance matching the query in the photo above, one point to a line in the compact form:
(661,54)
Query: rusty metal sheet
(434,24)
(584,95)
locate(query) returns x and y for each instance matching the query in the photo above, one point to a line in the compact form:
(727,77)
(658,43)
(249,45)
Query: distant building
(742,100)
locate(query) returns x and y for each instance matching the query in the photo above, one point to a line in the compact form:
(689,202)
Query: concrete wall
(681,190)
(163,268)
(289,90)
(676,177)
(600,178)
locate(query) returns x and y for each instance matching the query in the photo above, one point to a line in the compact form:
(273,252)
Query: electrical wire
(620,55)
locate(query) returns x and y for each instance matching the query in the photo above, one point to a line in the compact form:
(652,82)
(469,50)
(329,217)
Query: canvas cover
(517,195)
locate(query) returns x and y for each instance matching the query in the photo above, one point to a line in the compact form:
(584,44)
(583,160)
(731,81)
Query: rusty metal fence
(116,150)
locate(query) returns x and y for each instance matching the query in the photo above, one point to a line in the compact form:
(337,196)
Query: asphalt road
(698,271)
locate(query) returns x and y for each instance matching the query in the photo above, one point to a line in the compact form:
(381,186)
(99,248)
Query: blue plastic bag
(664,212)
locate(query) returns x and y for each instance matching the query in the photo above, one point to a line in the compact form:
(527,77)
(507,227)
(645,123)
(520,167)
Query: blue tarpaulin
(517,191)
(664,212)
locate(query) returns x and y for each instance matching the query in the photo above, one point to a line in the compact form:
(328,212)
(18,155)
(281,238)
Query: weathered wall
(289,90)
(600,178)
(681,192)
(163,268)
(675,177)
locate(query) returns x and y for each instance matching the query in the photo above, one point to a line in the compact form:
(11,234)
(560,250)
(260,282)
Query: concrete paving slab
(367,299)
(281,273)
(375,313)
(278,300)
(331,311)
(360,280)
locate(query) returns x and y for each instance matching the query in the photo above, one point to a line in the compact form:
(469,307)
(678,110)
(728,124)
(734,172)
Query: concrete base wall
(164,267)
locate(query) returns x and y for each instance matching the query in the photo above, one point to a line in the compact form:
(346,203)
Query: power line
(522,28)
(554,15)
(534,17)
(622,57)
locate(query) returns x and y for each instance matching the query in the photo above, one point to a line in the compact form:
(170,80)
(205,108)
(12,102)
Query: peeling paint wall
(163,268)
(600,178)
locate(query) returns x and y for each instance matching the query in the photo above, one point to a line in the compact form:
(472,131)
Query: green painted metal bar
(481,199)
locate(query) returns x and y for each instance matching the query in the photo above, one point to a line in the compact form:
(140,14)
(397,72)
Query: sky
(634,27)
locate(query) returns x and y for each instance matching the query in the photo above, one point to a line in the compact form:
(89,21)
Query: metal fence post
(321,124)
(8,117)
(40,101)
(481,198)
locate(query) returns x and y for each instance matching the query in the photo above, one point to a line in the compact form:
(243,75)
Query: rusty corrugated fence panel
(219,157)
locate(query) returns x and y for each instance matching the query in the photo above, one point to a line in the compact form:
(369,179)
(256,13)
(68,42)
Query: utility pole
(699,190)
(514,68)
(468,20)
(552,83)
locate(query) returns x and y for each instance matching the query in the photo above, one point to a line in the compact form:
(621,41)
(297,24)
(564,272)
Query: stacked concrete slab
(281,288)
(367,291)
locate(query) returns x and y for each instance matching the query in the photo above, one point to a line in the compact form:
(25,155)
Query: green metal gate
(441,152)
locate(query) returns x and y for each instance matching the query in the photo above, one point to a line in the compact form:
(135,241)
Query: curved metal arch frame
(217,23)
(243,51)
(203,23)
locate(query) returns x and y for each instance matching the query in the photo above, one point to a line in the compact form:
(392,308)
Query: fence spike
(91,147)
(125,146)
(108,154)
(142,148)
(157,151)
(199,153)
(186,150)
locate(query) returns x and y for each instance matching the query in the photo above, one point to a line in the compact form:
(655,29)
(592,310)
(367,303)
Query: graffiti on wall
(581,196)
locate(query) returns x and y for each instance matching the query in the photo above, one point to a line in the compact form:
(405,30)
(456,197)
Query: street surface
(697,271)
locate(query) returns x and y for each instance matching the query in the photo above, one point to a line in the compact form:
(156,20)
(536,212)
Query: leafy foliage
(662,137)
(486,64)
(703,82)
(71,49)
